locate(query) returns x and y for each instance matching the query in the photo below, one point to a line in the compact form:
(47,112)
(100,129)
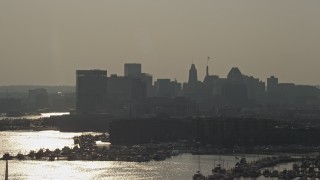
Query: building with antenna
(194,89)
(210,80)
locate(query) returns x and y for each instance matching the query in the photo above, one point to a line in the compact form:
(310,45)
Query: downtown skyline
(201,72)
(43,43)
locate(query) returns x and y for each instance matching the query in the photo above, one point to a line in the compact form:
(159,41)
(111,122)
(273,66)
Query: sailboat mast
(6,174)
(199,162)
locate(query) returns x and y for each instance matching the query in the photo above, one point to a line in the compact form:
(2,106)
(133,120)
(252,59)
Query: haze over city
(45,42)
(167,89)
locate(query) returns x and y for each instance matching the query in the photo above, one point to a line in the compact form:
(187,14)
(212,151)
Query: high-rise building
(235,90)
(147,79)
(193,75)
(91,91)
(272,84)
(176,88)
(163,88)
(132,69)
(235,75)
(123,90)
(256,88)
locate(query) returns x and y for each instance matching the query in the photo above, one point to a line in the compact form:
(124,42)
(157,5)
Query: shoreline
(96,147)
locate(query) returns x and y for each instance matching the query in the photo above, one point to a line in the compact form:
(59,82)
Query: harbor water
(34,117)
(179,167)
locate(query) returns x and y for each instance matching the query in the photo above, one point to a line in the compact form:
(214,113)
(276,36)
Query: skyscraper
(91,90)
(132,69)
(163,88)
(235,75)
(272,84)
(193,75)
(235,90)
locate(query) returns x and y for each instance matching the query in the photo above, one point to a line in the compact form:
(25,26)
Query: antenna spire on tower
(207,73)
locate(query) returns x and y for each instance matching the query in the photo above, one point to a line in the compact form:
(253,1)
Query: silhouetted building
(194,89)
(132,69)
(91,91)
(297,95)
(272,84)
(291,95)
(213,83)
(235,89)
(235,76)
(176,88)
(147,79)
(163,88)
(211,80)
(124,93)
(125,89)
(256,88)
(193,75)
(167,88)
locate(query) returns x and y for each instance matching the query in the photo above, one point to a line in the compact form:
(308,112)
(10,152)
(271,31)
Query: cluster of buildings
(237,109)
(136,94)
(36,99)
(131,95)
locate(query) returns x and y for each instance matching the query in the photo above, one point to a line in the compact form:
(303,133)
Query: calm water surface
(179,167)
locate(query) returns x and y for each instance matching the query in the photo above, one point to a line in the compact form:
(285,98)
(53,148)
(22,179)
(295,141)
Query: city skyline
(142,89)
(200,78)
(43,43)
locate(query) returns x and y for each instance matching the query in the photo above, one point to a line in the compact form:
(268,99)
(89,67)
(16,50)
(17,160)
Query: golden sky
(43,42)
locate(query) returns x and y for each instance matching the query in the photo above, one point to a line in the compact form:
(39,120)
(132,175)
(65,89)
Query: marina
(302,167)
(181,166)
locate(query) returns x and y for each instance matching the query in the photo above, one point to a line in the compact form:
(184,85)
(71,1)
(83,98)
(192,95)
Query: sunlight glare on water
(15,141)
(181,167)
(41,115)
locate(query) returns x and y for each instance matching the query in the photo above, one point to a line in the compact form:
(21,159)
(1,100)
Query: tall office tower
(235,90)
(147,79)
(91,91)
(235,75)
(163,88)
(193,75)
(123,90)
(272,84)
(132,69)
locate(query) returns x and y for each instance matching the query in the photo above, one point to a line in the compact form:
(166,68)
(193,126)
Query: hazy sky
(43,42)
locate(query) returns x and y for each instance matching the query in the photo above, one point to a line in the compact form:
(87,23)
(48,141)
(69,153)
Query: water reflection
(41,115)
(24,141)
(179,167)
